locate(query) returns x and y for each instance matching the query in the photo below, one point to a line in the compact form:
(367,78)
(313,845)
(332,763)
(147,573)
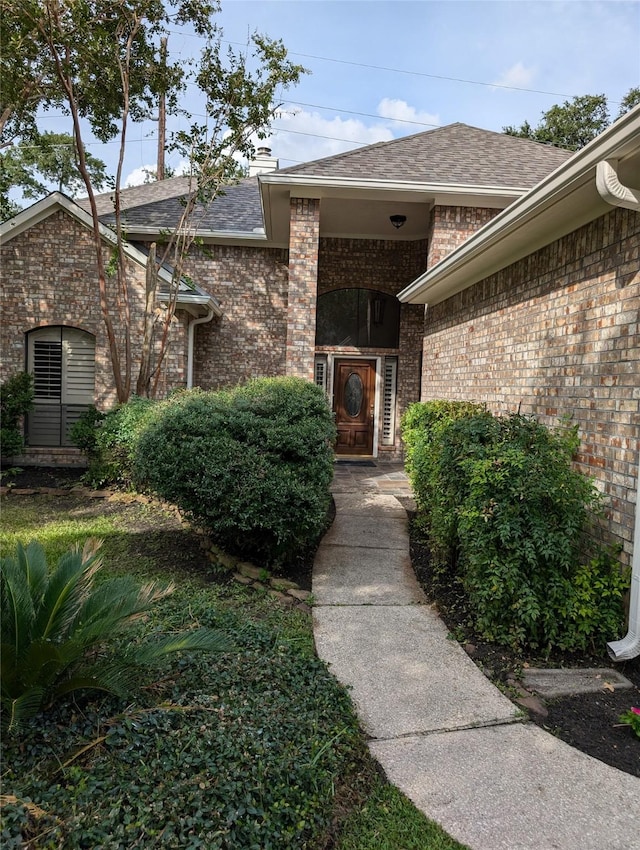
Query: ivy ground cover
(256,747)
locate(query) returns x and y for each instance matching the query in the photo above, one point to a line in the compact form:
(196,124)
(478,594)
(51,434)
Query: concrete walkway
(443,734)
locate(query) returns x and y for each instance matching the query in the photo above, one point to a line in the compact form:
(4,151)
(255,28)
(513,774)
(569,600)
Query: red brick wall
(555,335)
(303,277)
(49,278)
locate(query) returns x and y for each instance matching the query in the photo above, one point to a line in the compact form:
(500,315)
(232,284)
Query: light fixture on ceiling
(397,220)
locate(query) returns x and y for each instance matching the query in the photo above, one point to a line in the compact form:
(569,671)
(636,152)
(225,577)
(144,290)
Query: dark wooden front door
(354,395)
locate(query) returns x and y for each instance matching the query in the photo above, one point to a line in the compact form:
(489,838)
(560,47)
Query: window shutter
(62,361)
(320,372)
(79,368)
(47,369)
(389,401)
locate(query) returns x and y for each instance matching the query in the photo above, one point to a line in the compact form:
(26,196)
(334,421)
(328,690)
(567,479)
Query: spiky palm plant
(56,625)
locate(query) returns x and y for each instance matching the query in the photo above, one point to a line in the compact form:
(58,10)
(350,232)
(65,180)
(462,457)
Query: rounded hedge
(251,465)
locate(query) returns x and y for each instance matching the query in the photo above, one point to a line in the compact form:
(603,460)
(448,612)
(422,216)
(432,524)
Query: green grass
(254,748)
(389,821)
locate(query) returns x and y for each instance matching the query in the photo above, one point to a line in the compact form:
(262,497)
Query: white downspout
(612,190)
(192,332)
(629,646)
(618,195)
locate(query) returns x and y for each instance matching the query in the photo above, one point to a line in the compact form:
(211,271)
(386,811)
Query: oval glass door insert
(353,394)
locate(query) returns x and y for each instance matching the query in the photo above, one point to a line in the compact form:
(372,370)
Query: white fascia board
(316,187)
(254,239)
(490,246)
(43,209)
(192,299)
(155,232)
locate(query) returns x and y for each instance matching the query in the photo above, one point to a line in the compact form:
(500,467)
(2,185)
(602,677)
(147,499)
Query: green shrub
(423,424)
(84,432)
(56,623)
(16,400)
(510,517)
(109,440)
(251,465)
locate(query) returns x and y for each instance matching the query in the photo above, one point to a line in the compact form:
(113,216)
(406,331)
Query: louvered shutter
(320,372)
(389,401)
(78,378)
(62,361)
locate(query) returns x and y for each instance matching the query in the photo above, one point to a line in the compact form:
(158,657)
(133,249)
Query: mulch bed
(588,722)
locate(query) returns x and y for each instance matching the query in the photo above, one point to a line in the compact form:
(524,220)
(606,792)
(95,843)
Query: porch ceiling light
(397,220)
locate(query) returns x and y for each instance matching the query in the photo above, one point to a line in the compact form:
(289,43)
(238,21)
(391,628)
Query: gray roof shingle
(236,209)
(455,154)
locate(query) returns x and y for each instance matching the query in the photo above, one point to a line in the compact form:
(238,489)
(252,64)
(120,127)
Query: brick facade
(248,340)
(49,278)
(556,334)
(303,276)
(449,227)
(387,266)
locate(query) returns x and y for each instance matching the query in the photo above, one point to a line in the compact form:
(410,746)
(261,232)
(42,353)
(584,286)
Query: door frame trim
(332,359)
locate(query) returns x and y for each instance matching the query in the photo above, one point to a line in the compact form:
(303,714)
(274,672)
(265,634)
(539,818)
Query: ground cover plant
(254,747)
(508,521)
(57,623)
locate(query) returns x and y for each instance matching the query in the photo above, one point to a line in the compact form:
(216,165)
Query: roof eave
(196,303)
(502,240)
(316,186)
(253,238)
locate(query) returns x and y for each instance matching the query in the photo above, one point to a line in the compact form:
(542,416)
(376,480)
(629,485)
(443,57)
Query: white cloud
(401,111)
(518,76)
(140,175)
(301,135)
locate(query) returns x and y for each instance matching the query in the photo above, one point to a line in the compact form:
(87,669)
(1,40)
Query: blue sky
(488,63)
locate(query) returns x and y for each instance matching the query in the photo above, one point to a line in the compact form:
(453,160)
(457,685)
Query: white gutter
(492,240)
(629,646)
(615,193)
(191,337)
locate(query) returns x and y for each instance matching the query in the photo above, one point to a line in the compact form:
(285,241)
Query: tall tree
(574,123)
(100,60)
(41,163)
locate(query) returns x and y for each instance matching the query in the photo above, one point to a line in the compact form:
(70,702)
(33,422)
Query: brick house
(323,270)
(539,312)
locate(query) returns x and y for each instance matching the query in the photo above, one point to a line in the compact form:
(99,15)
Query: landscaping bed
(254,747)
(588,721)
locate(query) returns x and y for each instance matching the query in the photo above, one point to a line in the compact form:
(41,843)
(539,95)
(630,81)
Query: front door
(354,395)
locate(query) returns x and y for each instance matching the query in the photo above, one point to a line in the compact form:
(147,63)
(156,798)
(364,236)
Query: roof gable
(190,294)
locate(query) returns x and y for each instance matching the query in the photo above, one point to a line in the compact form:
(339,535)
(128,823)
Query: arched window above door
(358,318)
(62,361)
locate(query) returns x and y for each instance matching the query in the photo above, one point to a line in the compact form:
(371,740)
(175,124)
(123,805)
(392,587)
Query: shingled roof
(237,209)
(455,154)
(135,196)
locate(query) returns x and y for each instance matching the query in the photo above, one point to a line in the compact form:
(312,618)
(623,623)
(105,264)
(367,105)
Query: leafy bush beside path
(250,465)
(509,519)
